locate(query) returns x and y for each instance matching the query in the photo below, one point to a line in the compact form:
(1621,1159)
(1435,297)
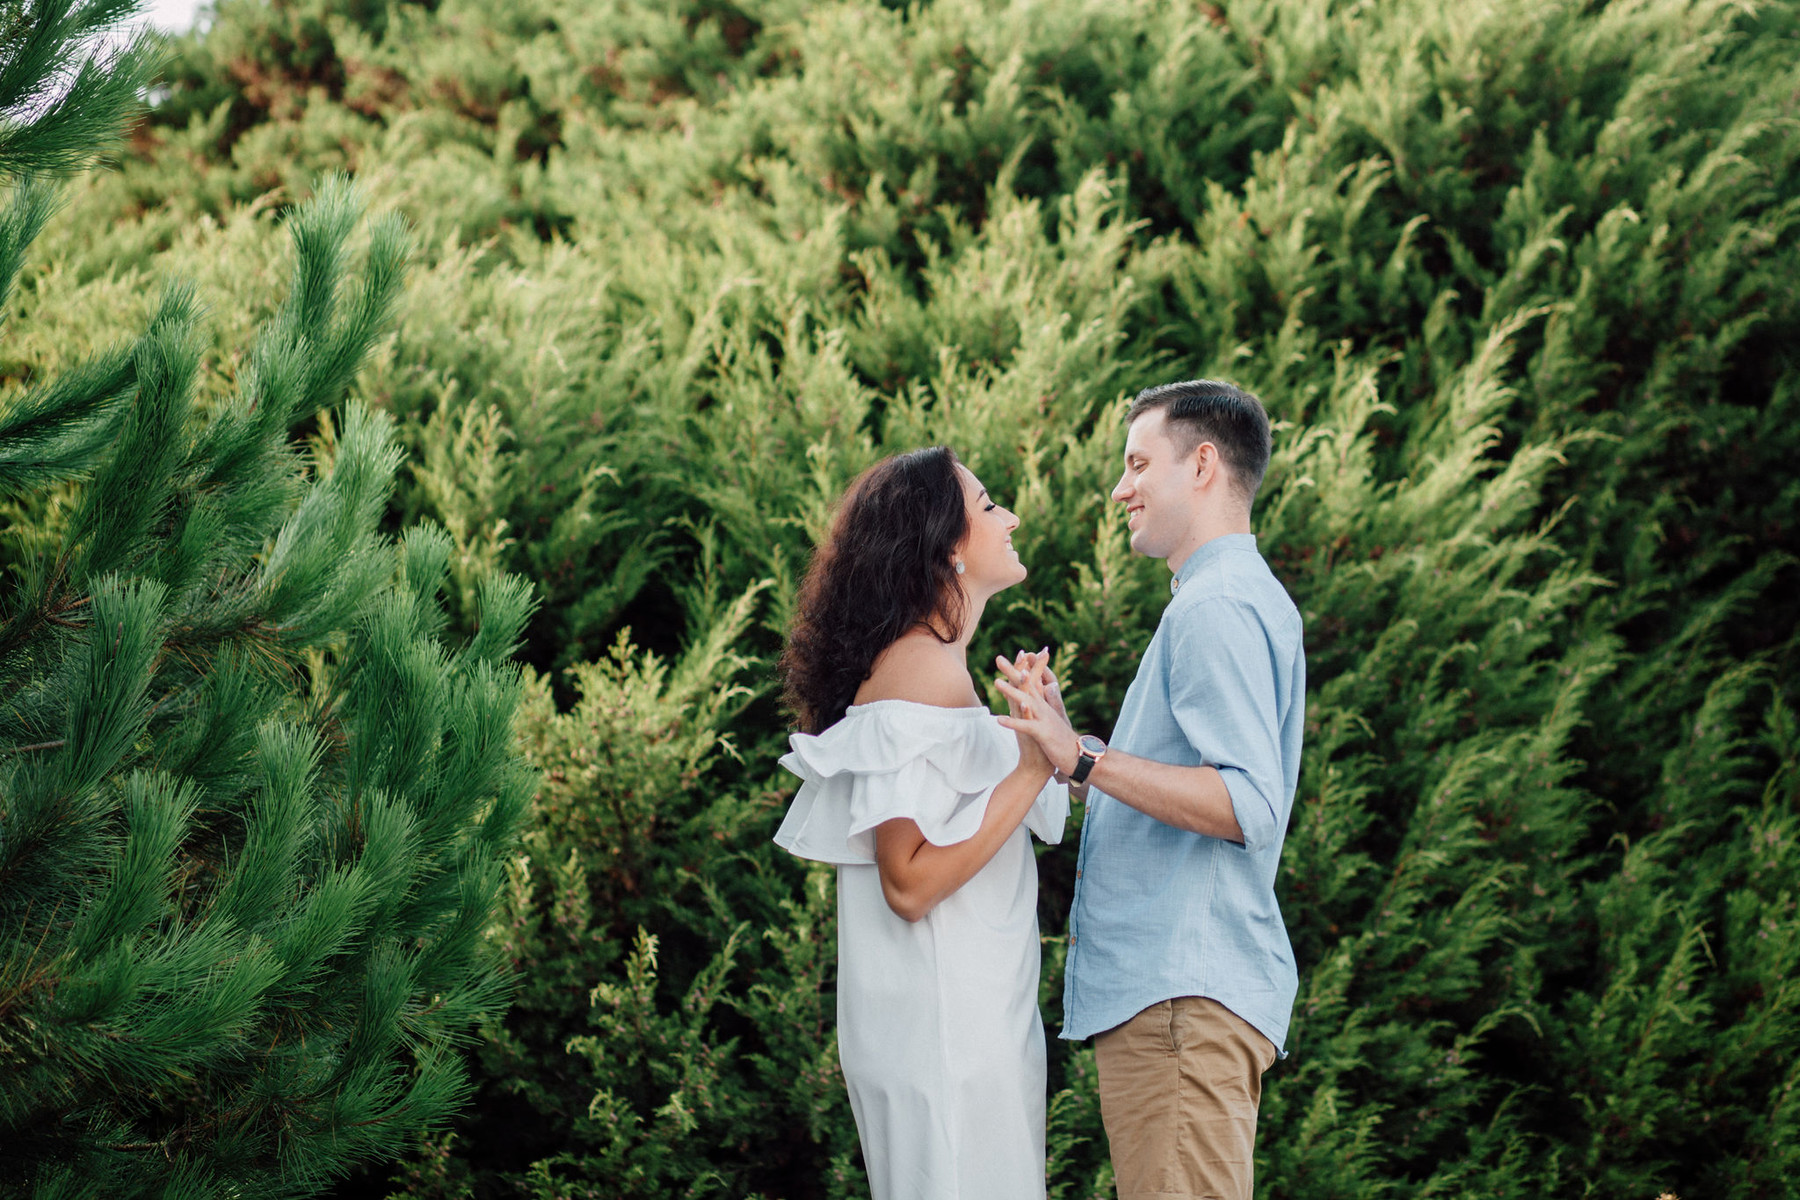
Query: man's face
(1158,488)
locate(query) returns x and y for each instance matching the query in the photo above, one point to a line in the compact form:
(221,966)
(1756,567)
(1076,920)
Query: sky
(172,16)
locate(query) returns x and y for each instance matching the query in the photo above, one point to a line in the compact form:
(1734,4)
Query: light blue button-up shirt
(1160,912)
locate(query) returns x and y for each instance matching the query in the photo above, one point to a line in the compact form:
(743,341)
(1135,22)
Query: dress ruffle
(893,758)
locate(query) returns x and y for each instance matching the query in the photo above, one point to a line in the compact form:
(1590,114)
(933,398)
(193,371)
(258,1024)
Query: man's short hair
(1206,410)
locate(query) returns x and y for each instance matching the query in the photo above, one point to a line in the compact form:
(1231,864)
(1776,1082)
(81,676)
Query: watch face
(1093,745)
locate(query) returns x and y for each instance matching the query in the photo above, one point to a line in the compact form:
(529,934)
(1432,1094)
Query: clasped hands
(1035,712)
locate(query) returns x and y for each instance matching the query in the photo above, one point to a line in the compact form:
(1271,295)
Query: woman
(922,800)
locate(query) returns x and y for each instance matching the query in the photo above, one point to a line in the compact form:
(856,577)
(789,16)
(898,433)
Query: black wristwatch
(1092,751)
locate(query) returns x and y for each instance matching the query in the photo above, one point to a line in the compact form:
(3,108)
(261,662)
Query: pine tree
(252,806)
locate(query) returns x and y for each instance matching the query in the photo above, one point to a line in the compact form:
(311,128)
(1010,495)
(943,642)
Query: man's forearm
(1190,798)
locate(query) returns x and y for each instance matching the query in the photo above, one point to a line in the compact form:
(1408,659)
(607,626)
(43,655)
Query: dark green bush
(1516,282)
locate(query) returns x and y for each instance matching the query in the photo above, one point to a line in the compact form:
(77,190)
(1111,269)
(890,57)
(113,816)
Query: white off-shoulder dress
(939,1032)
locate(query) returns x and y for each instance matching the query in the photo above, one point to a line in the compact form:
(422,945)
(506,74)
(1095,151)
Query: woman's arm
(916,875)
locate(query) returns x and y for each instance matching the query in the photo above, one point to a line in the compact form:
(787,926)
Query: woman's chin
(1018,577)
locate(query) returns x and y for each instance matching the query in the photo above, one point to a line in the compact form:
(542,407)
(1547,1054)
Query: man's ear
(1205,459)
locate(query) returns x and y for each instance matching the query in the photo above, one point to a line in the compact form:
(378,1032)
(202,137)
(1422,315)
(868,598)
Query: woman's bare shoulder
(923,670)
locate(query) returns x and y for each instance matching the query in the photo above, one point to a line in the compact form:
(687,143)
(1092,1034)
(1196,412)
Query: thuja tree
(252,805)
(1515,282)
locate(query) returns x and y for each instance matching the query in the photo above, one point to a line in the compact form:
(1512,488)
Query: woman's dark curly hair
(884,568)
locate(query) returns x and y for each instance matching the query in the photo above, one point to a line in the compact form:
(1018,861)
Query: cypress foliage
(1516,283)
(252,805)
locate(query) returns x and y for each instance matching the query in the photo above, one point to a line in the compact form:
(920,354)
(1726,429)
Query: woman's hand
(1026,666)
(1032,703)
(1034,712)
(1026,662)
(1031,756)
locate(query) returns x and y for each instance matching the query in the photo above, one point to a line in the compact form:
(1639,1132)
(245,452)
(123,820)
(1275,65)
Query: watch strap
(1084,763)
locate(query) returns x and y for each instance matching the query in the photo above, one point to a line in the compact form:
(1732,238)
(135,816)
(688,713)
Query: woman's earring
(959,566)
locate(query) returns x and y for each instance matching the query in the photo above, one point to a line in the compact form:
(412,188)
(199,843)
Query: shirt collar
(1207,553)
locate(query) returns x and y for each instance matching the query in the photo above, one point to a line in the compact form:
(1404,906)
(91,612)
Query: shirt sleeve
(1223,695)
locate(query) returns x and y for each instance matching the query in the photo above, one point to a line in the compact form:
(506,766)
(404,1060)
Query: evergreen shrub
(1515,281)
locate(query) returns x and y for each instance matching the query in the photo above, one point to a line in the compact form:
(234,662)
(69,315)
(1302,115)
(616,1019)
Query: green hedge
(1516,282)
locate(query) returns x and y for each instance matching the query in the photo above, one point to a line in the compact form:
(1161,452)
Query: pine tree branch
(58,744)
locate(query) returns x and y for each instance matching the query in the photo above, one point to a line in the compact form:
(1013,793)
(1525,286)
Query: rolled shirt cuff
(1255,818)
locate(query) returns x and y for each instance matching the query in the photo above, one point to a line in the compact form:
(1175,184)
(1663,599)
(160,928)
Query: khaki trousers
(1179,1086)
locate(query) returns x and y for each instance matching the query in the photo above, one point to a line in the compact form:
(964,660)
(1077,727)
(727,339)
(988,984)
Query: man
(1178,958)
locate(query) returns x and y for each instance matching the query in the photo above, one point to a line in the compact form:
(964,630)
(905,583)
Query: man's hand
(1191,798)
(1035,708)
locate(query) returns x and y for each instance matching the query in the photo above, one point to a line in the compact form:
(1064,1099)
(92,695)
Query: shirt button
(1078,872)
(1071,939)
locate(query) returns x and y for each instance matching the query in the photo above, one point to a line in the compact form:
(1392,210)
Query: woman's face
(990,564)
